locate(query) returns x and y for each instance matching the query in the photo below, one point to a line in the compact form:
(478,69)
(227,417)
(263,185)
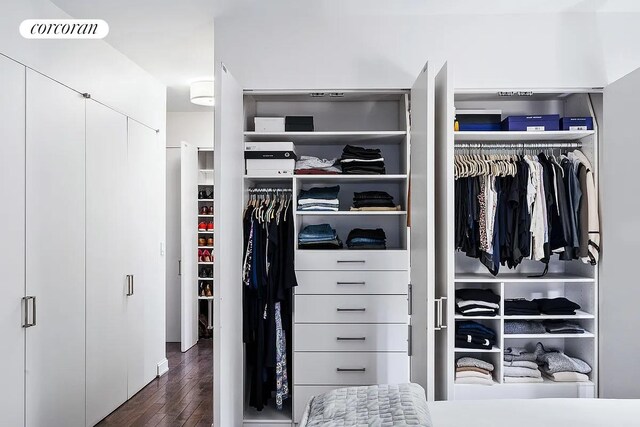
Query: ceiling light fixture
(201,93)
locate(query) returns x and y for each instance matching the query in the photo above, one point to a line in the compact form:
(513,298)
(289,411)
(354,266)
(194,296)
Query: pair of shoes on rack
(205,289)
(205,273)
(204,256)
(206,210)
(205,194)
(205,226)
(205,241)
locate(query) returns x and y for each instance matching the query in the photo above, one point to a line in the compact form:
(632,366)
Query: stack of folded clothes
(471,334)
(373,201)
(477,302)
(470,370)
(362,161)
(363,238)
(320,236)
(523,327)
(319,199)
(562,327)
(559,367)
(520,307)
(310,165)
(520,366)
(557,306)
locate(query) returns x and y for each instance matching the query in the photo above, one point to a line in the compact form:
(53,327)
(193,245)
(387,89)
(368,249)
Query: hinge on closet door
(409,341)
(86,95)
(410,298)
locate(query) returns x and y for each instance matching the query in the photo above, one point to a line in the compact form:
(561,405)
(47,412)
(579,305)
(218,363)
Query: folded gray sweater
(556,361)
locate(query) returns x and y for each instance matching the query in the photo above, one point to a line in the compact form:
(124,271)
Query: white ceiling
(173,40)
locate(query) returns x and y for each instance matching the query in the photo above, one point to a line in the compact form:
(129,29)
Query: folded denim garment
(331,244)
(523,327)
(320,193)
(369,246)
(317,232)
(475,328)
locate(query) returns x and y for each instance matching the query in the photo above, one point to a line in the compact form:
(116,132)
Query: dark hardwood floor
(182,397)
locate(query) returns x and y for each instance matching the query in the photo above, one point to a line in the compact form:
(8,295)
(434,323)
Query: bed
(405,405)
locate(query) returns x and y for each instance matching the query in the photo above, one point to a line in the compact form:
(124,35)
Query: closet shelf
(350,213)
(205,200)
(205,247)
(579,315)
(477,350)
(334,137)
(205,298)
(205,232)
(461,317)
(542,336)
(353,178)
(268,415)
(205,278)
(521,278)
(549,383)
(205,216)
(206,170)
(512,136)
(205,263)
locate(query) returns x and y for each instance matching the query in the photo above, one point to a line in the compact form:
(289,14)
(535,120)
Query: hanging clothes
(268,277)
(510,208)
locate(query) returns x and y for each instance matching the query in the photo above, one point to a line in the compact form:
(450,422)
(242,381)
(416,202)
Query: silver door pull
(357,261)
(351,369)
(351,283)
(351,338)
(27,323)
(350,309)
(129,285)
(132,283)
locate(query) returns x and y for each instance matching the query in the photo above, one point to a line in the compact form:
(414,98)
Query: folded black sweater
(486,295)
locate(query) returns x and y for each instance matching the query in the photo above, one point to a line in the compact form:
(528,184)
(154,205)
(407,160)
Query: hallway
(182,397)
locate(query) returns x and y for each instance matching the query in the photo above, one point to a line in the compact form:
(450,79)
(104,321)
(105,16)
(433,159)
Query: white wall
(274,48)
(192,127)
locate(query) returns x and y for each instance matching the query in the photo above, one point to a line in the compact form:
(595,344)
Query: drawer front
(352,282)
(352,260)
(351,309)
(371,337)
(302,394)
(347,369)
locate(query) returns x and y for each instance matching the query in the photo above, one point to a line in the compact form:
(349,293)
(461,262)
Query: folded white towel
(472,374)
(474,380)
(522,380)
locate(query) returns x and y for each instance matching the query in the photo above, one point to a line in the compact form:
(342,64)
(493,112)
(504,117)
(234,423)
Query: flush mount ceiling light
(202,93)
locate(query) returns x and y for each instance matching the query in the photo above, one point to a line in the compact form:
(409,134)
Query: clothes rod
(270,190)
(520,146)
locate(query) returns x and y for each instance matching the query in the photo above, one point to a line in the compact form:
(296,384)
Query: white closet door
(228,351)
(444,206)
(422,271)
(174,246)
(12,245)
(107,215)
(620,225)
(188,242)
(145,302)
(55,253)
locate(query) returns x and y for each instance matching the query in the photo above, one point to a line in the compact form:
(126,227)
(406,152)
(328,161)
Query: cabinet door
(188,242)
(174,246)
(444,232)
(422,271)
(620,223)
(55,253)
(228,363)
(145,302)
(106,159)
(12,245)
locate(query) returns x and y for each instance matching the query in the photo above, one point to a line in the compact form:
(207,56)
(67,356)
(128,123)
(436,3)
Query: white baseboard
(163,367)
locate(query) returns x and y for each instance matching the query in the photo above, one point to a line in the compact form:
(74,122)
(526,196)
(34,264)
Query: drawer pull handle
(351,338)
(358,261)
(352,283)
(350,309)
(351,369)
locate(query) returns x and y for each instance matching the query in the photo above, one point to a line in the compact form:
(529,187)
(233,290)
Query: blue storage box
(576,123)
(479,120)
(532,123)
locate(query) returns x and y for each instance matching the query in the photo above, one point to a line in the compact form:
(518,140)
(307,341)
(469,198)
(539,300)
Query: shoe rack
(205,242)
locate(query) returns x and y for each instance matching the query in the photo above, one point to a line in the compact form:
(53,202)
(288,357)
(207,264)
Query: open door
(228,381)
(422,237)
(444,235)
(620,223)
(188,242)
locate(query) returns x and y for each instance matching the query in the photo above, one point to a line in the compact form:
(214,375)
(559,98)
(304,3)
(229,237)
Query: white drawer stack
(350,321)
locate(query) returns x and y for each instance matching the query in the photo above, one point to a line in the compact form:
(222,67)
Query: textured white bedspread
(536,413)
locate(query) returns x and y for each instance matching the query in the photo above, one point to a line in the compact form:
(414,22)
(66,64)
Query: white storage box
(269,146)
(277,164)
(269,172)
(269,124)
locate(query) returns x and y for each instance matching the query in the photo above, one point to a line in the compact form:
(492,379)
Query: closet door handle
(351,283)
(351,338)
(354,261)
(27,323)
(340,310)
(129,285)
(442,316)
(438,306)
(179,267)
(351,369)
(132,282)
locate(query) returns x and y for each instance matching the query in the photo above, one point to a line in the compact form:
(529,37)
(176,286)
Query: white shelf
(205,232)
(514,136)
(205,278)
(205,216)
(206,170)
(477,350)
(547,335)
(461,317)
(270,177)
(205,200)
(341,177)
(521,278)
(205,247)
(350,213)
(205,298)
(579,315)
(205,263)
(550,383)
(269,415)
(336,137)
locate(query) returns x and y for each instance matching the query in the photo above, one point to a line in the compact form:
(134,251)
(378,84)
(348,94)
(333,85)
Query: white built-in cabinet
(82,253)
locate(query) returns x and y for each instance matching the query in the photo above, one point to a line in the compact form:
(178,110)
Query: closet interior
(350,314)
(206,242)
(521,324)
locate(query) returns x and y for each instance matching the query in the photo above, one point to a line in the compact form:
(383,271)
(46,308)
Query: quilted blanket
(377,405)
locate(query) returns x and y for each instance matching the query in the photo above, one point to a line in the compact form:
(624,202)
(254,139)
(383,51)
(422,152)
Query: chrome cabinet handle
(129,285)
(179,267)
(351,338)
(351,369)
(438,303)
(350,309)
(358,261)
(442,316)
(132,283)
(352,283)
(26,300)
